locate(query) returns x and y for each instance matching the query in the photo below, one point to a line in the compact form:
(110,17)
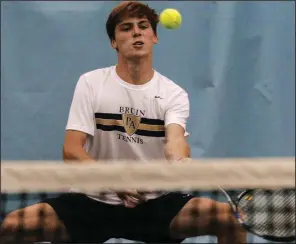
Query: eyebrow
(129,23)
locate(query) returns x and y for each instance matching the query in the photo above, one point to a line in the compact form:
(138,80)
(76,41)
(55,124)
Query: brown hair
(130,9)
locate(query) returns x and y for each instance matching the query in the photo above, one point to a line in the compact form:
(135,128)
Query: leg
(201,216)
(29,225)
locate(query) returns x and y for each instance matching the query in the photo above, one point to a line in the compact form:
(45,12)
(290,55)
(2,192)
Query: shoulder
(97,75)
(91,82)
(169,88)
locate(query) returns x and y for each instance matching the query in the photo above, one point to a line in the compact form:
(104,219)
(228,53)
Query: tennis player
(127,111)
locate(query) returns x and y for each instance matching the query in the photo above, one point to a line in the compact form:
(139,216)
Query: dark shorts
(88,221)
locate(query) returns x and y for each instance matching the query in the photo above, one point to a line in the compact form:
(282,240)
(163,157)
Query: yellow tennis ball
(170,18)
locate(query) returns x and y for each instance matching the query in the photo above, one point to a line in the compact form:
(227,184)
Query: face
(134,38)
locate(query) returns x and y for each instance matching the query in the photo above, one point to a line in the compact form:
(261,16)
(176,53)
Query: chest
(123,101)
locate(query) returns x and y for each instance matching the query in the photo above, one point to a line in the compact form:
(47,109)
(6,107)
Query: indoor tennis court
(235,60)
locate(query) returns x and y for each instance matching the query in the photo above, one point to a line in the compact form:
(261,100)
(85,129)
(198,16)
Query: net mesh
(25,183)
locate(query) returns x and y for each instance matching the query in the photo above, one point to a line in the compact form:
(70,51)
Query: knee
(9,228)
(207,206)
(29,218)
(16,227)
(224,219)
(35,222)
(10,223)
(216,214)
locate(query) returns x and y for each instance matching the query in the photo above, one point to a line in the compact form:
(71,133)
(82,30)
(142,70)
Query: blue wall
(235,59)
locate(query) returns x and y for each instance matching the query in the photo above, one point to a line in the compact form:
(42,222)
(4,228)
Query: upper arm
(174,132)
(74,138)
(176,144)
(81,117)
(81,114)
(177,113)
(73,148)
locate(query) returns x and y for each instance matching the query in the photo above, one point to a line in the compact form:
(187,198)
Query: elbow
(178,146)
(68,153)
(188,150)
(186,147)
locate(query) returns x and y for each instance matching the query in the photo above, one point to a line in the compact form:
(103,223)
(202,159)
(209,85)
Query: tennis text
(130,139)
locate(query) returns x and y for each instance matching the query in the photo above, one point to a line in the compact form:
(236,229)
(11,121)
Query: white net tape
(206,174)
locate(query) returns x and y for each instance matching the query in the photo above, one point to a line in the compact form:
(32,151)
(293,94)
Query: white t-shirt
(125,121)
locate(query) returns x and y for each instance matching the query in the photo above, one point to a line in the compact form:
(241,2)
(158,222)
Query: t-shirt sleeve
(81,115)
(178,110)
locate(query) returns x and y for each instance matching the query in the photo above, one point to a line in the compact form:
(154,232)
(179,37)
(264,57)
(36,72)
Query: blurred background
(235,59)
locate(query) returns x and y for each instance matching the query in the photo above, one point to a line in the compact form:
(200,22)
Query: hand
(131,199)
(179,159)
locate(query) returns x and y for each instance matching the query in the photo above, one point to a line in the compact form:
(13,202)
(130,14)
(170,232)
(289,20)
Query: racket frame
(234,206)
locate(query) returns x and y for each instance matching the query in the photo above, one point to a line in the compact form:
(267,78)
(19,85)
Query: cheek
(121,39)
(123,42)
(152,39)
(151,42)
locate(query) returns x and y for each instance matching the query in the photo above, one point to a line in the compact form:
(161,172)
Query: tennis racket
(269,214)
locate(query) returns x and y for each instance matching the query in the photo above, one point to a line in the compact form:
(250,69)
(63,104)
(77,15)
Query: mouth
(138,44)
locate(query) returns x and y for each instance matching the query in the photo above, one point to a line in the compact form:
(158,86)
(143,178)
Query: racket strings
(270,213)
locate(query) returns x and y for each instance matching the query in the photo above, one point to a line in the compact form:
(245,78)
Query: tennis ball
(170,18)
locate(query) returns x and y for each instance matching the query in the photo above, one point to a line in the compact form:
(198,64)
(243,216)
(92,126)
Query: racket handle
(229,200)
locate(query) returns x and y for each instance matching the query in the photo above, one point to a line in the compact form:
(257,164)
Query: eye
(125,29)
(143,27)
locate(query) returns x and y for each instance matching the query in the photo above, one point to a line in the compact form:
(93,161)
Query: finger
(128,198)
(133,199)
(134,196)
(138,196)
(145,192)
(129,204)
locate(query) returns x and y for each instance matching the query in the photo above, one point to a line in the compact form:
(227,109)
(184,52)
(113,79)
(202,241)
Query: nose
(136,31)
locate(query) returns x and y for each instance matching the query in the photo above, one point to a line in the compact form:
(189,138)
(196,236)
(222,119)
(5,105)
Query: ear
(155,39)
(114,44)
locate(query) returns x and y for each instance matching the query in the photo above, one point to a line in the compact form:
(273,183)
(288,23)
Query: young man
(128,111)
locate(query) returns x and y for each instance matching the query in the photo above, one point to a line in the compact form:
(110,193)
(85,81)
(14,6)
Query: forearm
(76,153)
(176,149)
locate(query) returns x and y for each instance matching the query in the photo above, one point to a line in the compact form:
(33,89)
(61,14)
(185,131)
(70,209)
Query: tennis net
(24,183)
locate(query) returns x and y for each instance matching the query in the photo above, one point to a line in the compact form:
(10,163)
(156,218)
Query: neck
(136,71)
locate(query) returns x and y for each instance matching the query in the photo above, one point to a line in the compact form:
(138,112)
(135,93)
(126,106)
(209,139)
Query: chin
(138,55)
